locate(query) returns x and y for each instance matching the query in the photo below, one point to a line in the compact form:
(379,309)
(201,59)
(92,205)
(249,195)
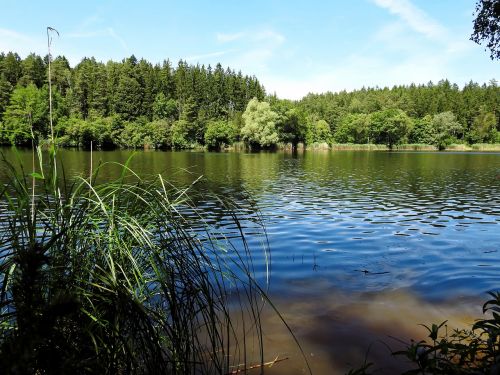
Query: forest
(137,104)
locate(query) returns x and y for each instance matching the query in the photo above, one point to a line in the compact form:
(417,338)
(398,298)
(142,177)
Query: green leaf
(37,175)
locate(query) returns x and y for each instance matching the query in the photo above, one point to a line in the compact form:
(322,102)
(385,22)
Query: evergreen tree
(33,71)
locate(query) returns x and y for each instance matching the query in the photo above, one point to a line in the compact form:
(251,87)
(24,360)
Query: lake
(364,245)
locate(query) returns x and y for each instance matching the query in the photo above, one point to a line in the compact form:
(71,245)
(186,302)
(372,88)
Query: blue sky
(293,47)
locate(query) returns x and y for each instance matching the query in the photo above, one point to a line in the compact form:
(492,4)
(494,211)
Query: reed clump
(115,277)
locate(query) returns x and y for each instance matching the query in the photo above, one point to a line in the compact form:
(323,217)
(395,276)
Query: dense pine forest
(134,103)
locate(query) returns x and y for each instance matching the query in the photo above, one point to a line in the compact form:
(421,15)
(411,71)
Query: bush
(80,133)
(353,128)
(318,132)
(219,133)
(180,131)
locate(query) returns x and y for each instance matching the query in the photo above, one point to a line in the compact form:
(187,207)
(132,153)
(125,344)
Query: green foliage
(389,126)
(26,114)
(11,68)
(33,71)
(446,129)
(219,134)
(135,91)
(416,101)
(353,128)
(157,134)
(138,91)
(473,351)
(291,124)
(483,128)
(128,98)
(78,132)
(423,132)
(318,132)
(486,26)
(180,134)
(140,134)
(5,93)
(260,125)
(164,108)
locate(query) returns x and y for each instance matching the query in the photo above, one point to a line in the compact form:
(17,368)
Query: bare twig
(260,365)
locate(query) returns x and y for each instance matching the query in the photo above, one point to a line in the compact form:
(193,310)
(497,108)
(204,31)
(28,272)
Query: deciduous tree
(260,125)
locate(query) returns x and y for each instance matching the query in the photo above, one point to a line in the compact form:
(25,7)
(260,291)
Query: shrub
(219,133)
(473,351)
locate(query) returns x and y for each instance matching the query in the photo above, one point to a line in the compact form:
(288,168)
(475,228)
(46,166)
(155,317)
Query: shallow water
(364,244)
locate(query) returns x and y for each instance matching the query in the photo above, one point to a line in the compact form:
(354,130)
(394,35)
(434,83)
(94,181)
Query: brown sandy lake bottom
(339,332)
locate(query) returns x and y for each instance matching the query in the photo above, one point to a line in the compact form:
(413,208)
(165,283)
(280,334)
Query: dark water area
(363,244)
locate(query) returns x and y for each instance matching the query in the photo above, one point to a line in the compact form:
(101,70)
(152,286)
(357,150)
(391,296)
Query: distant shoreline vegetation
(136,104)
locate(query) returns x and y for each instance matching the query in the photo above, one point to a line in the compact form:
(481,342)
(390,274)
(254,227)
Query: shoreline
(239,147)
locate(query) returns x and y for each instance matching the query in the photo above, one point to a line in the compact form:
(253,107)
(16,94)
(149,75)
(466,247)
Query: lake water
(364,244)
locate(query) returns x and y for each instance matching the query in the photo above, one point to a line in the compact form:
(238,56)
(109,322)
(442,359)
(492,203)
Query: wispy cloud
(413,48)
(23,44)
(269,36)
(201,57)
(85,34)
(6,33)
(258,35)
(231,37)
(112,33)
(255,48)
(105,32)
(416,18)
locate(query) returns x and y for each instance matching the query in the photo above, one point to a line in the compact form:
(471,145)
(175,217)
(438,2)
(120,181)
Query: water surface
(346,228)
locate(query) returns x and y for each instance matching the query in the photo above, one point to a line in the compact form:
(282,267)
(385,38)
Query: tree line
(434,113)
(131,103)
(134,103)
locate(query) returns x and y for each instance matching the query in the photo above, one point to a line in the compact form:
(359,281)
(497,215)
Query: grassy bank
(486,147)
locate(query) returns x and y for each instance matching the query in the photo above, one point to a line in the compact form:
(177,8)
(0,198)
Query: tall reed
(114,277)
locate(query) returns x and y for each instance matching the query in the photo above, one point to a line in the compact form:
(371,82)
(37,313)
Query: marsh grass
(415,147)
(360,147)
(113,277)
(486,147)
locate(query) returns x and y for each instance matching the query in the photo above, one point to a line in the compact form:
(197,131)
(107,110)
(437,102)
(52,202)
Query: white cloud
(256,49)
(269,36)
(11,40)
(416,18)
(112,33)
(106,32)
(201,57)
(259,35)
(225,38)
(358,70)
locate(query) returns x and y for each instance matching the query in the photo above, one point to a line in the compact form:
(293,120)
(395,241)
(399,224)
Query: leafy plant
(474,351)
